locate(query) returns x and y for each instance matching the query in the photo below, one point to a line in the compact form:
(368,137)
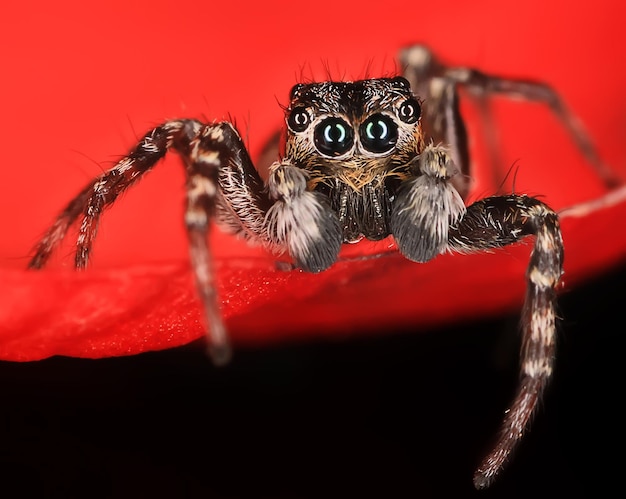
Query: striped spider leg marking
(439,84)
(495,222)
(356,165)
(220,182)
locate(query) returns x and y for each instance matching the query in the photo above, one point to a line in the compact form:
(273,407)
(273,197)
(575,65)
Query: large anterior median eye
(378,133)
(333,137)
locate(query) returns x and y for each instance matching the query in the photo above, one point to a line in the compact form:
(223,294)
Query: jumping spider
(357,163)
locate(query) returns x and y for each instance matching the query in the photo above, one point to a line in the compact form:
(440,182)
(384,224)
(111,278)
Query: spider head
(357,132)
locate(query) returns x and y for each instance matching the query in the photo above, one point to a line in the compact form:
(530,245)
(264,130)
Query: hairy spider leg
(219,174)
(222,181)
(438,85)
(498,221)
(100,193)
(429,218)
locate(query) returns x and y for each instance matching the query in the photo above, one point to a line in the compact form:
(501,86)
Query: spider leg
(103,191)
(443,122)
(220,178)
(220,175)
(481,84)
(438,85)
(203,162)
(495,222)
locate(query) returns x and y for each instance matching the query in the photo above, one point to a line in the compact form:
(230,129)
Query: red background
(80,82)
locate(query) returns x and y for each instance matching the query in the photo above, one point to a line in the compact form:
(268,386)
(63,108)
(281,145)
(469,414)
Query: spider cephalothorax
(360,148)
(356,141)
(356,164)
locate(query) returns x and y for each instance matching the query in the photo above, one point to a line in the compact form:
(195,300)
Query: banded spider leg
(487,224)
(438,85)
(212,153)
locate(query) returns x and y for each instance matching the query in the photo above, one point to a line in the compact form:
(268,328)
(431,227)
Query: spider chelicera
(357,163)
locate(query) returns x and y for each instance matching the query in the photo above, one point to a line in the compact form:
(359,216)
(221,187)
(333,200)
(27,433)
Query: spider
(357,164)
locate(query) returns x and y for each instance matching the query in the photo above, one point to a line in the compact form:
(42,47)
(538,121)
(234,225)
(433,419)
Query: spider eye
(410,111)
(299,119)
(333,137)
(401,82)
(379,133)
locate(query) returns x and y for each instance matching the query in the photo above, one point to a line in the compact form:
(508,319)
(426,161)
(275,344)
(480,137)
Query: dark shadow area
(402,414)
